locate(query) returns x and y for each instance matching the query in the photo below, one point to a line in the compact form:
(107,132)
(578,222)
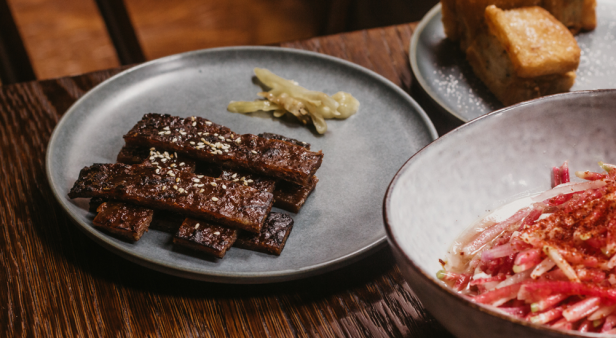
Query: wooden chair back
(15,64)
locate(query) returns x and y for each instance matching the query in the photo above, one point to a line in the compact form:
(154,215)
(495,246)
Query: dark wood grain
(56,282)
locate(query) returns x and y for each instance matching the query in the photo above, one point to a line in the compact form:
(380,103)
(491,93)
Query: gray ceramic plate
(341,221)
(442,70)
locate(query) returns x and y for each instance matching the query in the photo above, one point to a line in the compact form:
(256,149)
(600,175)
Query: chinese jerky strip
(225,203)
(95,202)
(288,196)
(204,140)
(291,196)
(272,136)
(254,181)
(133,155)
(272,237)
(154,157)
(205,237)
(162,220)
(124,220)
(166,221)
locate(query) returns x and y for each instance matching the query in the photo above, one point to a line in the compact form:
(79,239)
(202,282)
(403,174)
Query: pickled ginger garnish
(308,106)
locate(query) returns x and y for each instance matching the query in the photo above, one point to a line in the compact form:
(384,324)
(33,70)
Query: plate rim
(415,67)
(212,275)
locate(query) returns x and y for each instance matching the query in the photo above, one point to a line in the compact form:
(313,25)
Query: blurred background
(68,37)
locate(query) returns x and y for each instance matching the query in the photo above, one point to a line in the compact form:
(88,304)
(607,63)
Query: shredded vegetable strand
(568,188)
(561,263)
(547,303)
(495,230)
(547,316)
(612,262)
(602,312)
(564,173)
(517,278)
(609,324)
(555,177)
(543,267)
(582,309)
(527,259)
(497,252)
(590,176)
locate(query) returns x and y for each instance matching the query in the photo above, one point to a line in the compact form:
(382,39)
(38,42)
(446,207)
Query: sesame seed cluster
(199,134)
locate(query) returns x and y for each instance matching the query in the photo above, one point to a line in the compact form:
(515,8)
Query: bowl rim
(448,291)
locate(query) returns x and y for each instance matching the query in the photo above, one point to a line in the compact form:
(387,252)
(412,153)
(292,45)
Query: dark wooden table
(56,282)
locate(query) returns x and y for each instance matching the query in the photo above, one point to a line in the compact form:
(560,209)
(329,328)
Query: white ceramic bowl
(484,164)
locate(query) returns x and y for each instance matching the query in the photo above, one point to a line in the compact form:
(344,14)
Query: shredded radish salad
(552,262)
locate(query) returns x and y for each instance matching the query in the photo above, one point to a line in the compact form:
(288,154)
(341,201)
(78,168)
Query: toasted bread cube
(569,12)
(471,18)
(536,42)
(575,14)
(492,65)
(463,20)
(450,20)
(589,15)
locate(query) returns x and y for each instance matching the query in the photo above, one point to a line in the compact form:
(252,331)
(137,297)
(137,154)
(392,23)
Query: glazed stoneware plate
(442,70)
(493,160)
(341,221)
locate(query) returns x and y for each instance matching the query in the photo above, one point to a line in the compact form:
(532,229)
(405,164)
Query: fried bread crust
(493,66)
(536,42)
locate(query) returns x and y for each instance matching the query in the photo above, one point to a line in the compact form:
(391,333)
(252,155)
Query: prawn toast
(521,49)
(535,41)
(575,14)
(226,203)
(491,64)
(463,20)
(204,140)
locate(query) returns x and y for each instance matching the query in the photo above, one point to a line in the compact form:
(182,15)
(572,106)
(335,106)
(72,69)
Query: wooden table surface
(56,282)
